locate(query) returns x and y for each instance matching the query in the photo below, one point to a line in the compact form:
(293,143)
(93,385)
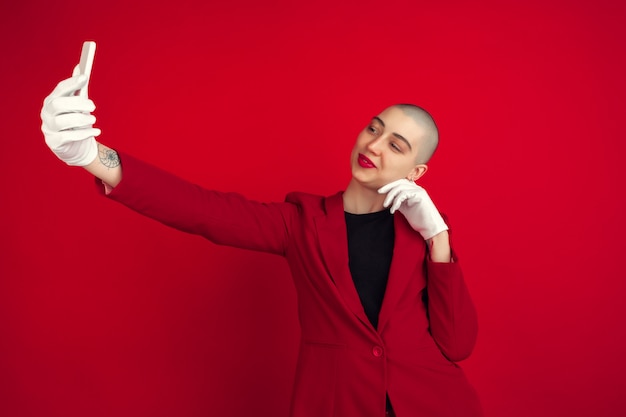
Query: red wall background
(106,313)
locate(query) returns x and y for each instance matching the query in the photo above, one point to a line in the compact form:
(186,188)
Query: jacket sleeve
(453,319)
(223,218)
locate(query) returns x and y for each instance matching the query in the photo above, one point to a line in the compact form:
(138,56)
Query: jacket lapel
(408,254)
(333,240)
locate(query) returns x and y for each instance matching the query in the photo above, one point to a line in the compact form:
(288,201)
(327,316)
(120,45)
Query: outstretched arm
(107,167)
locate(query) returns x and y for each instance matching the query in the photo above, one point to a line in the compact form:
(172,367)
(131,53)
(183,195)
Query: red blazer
(345,366)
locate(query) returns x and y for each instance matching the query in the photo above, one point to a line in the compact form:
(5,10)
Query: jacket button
(377,351)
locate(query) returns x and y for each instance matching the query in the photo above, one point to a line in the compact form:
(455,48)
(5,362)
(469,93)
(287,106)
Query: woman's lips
(365,162)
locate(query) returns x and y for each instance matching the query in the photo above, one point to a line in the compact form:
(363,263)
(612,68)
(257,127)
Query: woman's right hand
(67,123)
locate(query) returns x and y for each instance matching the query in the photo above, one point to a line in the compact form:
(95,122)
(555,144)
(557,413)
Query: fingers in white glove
(68,87)
(393,187)
(387,187)
(66,121)
(397,198)
(56,140)
(69,104)
(416,206)
(67,124)
(398,192)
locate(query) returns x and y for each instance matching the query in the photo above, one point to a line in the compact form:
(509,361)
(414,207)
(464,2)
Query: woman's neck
(358,199)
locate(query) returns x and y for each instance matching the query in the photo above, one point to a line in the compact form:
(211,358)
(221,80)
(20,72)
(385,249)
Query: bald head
(430,138)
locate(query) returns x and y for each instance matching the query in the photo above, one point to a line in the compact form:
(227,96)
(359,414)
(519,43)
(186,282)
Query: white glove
(415,204)
(67,124)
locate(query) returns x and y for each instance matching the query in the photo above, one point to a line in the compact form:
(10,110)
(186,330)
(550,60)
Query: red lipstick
(365,162)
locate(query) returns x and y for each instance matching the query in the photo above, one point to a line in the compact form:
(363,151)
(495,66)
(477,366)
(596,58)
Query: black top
(370,249)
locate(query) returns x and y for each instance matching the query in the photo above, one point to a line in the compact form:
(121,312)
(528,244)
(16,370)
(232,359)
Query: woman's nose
(374,146)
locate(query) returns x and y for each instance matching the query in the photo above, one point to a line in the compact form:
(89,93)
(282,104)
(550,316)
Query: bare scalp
(430,138)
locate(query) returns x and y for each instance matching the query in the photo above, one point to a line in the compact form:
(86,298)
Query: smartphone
(86,62)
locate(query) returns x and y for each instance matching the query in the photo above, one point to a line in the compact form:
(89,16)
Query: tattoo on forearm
(108,157)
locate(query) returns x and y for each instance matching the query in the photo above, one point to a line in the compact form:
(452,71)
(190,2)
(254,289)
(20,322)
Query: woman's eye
(371,129)
(396,147)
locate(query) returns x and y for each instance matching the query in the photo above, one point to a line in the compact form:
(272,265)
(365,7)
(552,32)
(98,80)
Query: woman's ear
(417,172)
